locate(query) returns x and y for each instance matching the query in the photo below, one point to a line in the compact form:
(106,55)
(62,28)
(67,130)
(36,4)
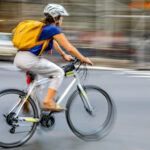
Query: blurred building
(107,15)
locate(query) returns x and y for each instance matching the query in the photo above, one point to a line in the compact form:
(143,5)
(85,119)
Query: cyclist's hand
(68,57)
(87,60)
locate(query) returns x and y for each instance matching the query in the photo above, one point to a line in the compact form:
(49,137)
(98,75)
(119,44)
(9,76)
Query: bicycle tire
(35,114)
(107,125)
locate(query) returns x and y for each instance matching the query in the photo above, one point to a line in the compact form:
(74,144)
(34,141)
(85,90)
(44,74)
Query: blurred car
(7,50)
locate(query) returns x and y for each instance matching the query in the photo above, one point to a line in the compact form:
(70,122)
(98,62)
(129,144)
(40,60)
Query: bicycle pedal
(50,111)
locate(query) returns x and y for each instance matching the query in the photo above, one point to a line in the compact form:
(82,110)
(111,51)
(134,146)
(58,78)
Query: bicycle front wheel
(89,126)
(15,132)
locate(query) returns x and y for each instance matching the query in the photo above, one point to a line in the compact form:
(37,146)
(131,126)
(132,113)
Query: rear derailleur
(12,121)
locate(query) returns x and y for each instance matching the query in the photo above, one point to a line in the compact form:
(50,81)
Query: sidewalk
(114,63)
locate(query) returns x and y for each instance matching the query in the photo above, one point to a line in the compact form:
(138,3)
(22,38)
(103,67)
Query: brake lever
(75,60)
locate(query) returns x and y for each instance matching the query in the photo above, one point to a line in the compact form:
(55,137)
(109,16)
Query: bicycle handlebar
(74,61)
(71,65)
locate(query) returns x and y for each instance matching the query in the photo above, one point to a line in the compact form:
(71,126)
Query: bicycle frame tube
(76,79)
(85,99)
(30,89)
(16,105)
(45,80)
(28,119)
(27,96)
(66,91)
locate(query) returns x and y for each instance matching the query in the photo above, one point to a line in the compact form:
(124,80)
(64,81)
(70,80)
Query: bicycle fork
(85,100)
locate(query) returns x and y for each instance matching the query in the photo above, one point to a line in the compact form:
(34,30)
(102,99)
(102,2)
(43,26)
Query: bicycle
(90,100)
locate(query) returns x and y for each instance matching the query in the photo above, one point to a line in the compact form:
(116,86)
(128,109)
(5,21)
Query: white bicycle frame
(46,80)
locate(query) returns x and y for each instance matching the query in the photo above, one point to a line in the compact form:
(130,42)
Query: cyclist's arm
(58,49)
(62,40)
(61,52)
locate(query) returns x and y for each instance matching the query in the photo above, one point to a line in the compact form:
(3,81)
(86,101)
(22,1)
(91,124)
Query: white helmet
(55,10)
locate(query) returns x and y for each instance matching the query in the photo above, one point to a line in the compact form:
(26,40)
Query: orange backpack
(26,35)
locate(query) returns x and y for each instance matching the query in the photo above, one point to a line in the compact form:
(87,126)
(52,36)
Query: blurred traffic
(7,50)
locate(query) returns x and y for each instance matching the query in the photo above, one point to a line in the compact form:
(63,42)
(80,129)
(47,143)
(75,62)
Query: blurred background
(110,29)
(114,33)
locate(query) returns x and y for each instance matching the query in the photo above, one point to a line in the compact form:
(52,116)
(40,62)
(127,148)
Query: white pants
(29,62)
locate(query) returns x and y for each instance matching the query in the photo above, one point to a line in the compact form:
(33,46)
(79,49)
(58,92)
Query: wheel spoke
(19,132)
(86,124)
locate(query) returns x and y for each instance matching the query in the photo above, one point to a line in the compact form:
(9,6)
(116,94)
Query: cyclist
(29,60)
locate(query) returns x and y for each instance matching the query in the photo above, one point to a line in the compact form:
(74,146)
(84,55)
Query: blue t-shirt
(47,32)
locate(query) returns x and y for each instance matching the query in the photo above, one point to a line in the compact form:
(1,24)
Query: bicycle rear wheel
(15,132)
(85,125)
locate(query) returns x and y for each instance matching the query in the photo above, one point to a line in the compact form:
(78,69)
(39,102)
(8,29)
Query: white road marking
(139,76)
(119,71)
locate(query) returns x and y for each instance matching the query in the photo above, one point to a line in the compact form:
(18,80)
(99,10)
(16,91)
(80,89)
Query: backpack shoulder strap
(44,45)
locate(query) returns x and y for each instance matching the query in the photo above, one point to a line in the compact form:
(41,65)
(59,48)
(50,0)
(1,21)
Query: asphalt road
(130,92)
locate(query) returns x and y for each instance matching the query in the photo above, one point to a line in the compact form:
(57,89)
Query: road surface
(130,92)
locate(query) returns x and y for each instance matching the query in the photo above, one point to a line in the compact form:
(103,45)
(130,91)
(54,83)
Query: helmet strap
(57,20)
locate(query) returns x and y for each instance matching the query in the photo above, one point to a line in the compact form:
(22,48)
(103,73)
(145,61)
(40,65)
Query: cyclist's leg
(25,60)
(49,69)
(56,73)
(28,61)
